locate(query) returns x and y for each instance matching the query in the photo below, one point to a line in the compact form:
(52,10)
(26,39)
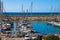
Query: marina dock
(54,23)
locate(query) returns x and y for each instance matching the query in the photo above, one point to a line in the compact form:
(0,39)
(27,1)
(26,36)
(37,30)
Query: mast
(1,6)
(27,15)
(31,8)
(51,10)
(59,8)
(22,8)
(1,11)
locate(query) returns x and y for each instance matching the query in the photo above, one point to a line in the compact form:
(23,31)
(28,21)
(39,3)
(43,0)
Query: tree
(52,38)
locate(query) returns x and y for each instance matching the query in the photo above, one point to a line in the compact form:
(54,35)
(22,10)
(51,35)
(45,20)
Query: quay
(54,23)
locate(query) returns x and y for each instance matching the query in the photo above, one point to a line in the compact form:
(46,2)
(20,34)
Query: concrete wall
(41,18)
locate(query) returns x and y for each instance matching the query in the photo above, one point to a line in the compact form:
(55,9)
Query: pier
(54,23)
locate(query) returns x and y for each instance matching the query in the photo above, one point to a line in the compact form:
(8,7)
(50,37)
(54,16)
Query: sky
(38,5)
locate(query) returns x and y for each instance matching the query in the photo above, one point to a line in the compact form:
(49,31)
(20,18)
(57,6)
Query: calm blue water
(44,29)
(41,27)
(14,29)
(29,14)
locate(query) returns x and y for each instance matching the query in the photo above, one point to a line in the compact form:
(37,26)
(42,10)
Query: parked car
(27,37)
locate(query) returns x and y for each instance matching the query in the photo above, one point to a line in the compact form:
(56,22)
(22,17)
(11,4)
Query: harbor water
(44,28)
(14,29)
